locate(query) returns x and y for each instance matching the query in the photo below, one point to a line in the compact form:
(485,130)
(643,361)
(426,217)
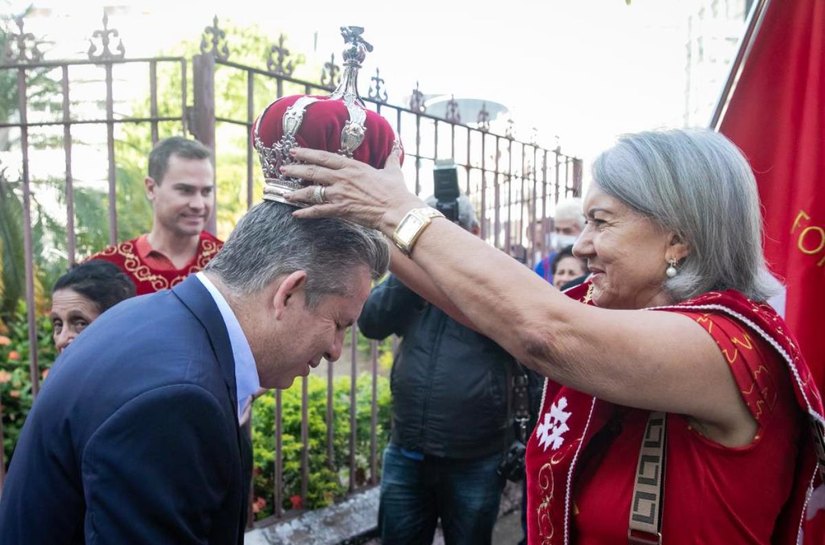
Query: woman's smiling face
(627,254)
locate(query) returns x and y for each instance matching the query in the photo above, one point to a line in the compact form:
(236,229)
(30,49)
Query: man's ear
(150,184)
(289,292)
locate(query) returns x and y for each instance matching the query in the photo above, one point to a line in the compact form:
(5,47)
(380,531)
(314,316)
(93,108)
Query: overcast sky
(584,70)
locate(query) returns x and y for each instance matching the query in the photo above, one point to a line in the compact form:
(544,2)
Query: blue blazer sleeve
(158,470)
(389,309)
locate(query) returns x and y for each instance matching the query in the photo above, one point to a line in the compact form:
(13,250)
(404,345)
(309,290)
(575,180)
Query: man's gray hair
(570,209)
(698,184)
(466,213)
(269,242)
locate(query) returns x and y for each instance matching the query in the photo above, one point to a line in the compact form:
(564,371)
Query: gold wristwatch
(411,226)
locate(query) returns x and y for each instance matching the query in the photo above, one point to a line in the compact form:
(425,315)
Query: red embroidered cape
(569,420)
(149,279)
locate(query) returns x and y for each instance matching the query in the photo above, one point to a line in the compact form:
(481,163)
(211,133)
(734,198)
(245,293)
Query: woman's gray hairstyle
(269,242)
(698,184)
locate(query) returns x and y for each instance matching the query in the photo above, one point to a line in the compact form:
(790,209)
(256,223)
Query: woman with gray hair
(668,374)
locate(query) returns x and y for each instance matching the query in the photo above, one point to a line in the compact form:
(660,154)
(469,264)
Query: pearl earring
(671,270)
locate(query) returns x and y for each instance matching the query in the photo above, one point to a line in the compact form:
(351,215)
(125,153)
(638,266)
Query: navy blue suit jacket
(134,437)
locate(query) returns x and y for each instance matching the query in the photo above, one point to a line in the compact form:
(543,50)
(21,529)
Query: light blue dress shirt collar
(247,381)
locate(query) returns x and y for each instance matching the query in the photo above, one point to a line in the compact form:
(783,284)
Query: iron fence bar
(126,120)
(577,176)
(279,456)
(509,230)
(483,187)
(452,139)
(544,204)
(435,139)
(67,152)
(203,82)
(469,160)
(27,234)
(374,414)
(524,209)
(80,62)
(353,421)
(304,436)
(330,417)
(236,122)
(497,195)
(529,258)
(417,155)
(110,149)
(183,118)
(557,178)
(153,99)
(250,117)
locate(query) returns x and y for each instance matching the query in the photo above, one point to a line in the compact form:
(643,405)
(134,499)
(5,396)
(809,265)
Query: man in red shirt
(180,186)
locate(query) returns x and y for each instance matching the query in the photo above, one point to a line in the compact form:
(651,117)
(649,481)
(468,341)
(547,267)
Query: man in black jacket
(451,424)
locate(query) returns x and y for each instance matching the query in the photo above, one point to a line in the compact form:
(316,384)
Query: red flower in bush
(14,355)
(5,376)
(4,341)
(258,504)
(297,501)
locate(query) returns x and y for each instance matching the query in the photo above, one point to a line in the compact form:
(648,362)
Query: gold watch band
(411,226)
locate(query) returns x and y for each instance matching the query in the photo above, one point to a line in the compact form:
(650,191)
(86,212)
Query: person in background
(567,268)
(678,407)
(180,185)
(82,294)
(450,420)
(568,224)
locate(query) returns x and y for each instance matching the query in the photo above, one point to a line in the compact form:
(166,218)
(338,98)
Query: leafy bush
(328,479)
(15,379)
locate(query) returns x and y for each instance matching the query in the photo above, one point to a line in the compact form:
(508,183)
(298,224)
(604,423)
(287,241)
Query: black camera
(511,466)
(445,181)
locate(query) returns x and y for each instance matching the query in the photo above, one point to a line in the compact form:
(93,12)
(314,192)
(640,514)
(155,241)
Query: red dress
(152,271)
(581,458)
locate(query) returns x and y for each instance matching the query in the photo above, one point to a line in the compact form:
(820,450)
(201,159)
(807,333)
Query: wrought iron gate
(514,184)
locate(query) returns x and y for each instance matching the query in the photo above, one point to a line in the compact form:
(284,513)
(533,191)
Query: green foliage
(15,378)
(328,478)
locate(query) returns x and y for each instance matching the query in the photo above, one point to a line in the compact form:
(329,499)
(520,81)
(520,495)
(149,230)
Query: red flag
(776,115)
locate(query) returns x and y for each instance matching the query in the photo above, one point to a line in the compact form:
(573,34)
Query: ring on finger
(318,195)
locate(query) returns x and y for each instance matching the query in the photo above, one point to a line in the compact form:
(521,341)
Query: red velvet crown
(339,123)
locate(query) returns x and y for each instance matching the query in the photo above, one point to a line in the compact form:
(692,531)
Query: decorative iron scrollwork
(329,74)
(510,131)
(277,61)
(21,47)
(534,135)
(379,93)
(102,39)
(452,114)
(213,41)
(417,100)
(483,119)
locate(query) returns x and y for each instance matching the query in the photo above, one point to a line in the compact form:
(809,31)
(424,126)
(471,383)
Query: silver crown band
(352,134)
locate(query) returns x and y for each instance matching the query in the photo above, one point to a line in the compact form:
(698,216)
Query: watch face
(408,228)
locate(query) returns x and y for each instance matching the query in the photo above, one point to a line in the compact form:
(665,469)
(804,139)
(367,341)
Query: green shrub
(15,378)
(328,479)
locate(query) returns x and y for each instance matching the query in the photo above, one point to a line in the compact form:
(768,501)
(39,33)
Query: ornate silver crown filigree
(352,135)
